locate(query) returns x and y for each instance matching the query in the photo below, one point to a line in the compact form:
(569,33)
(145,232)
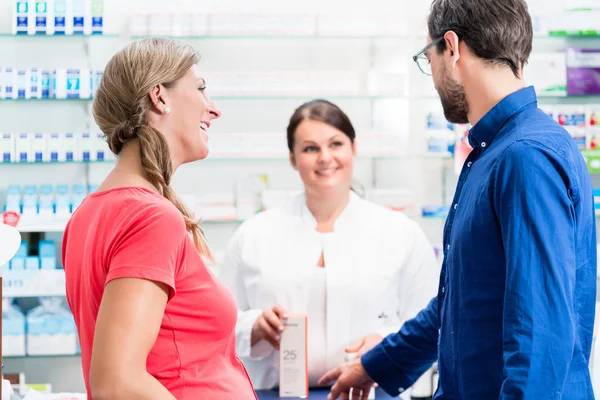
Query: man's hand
(364,344)
(350,377)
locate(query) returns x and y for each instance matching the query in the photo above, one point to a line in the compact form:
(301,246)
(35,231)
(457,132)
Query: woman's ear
(293,160)
(158,98)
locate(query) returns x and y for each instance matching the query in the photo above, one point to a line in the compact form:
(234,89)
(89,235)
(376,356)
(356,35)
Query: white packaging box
(547,72)
(7,148)
(39,147)
(85,83)
(138,26)
(82,17)
(23,147)
(59,83)
(23,84)
(70,147)
(42,17)
(23,17)
(54,148)
(34,88)
(9,83)
(87,147)
(380,82)
(199,25)
(262,24)
(74,83)
(181,24)
(159,24)
(293,357)
(102,150)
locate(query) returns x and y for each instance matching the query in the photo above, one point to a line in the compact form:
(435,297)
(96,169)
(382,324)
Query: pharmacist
(357,269)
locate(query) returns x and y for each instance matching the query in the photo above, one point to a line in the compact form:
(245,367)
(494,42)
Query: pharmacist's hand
(268,327)
(364,344)
(350,377)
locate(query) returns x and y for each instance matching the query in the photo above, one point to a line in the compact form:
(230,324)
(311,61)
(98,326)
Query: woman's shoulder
(379,214)
(130,206)
(278,216)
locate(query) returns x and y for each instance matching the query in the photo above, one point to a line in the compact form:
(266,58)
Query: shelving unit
(428,176)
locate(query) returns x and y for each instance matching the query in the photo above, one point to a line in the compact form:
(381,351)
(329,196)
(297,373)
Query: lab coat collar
(309,219)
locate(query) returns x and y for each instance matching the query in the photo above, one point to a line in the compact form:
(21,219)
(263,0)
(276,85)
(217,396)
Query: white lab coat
(381,271)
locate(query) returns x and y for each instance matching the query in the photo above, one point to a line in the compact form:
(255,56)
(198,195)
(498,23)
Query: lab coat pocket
(376,305)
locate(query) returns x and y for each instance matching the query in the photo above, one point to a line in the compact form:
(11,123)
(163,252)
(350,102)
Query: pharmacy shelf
(43,356)
(242,159)
(291,96)
(573,35)
(276,37)
(48,282)
(59,226)
(59,37)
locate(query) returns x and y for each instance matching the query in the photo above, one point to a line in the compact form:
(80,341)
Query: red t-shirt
(133,232)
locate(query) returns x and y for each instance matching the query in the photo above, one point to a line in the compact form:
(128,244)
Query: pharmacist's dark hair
(497,31)
(323,111)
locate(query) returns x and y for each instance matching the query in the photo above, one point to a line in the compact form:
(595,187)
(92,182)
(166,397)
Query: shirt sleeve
(231,273)
(151,248)
(401,358)
(534,204)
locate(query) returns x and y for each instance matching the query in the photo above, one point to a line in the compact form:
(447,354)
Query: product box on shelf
(13,329)
(547,72)
(23,147)
(59,23)
(22,18)
(583,71)
(573,118)
(7,148)
(39,147)
(8,83)
(97,17)
(46,202)
(262,24)
(42,18)
(51,329)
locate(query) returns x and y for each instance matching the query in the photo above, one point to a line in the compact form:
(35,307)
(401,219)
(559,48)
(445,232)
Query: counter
(318,394)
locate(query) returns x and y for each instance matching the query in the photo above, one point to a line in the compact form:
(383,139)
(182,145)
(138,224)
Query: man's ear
(452,46)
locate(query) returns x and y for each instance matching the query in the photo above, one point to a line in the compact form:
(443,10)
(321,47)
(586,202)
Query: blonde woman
(153,322)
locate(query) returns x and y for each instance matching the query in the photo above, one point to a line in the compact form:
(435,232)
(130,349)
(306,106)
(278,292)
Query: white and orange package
(293,357)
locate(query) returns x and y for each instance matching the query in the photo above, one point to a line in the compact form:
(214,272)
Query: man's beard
(454,100)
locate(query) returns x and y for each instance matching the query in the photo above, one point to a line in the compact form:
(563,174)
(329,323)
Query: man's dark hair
(497,31)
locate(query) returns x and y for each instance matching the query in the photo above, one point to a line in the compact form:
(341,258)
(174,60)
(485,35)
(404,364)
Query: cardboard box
(293,357)
(583,72)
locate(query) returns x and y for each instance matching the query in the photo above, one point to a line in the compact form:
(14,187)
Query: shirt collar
(308,217)
(484,131)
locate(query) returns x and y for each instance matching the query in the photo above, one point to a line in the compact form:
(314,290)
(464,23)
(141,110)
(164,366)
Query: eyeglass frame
(424,50)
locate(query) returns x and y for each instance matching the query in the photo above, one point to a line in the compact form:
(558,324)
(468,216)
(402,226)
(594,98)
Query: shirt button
(483,144)
(443,289)
(469,164)
(448,247)
(456,206)
(401,390)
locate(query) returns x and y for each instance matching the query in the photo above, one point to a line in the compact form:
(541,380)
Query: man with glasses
(514,314)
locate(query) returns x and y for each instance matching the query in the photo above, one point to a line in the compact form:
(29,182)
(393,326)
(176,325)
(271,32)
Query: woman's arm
(128,322)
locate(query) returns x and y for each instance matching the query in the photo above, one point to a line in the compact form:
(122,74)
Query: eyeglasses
(421,59)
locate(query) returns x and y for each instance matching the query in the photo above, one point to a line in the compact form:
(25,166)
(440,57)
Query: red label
(10,218)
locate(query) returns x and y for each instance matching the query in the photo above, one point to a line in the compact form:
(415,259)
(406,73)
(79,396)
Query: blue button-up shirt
(514,314)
